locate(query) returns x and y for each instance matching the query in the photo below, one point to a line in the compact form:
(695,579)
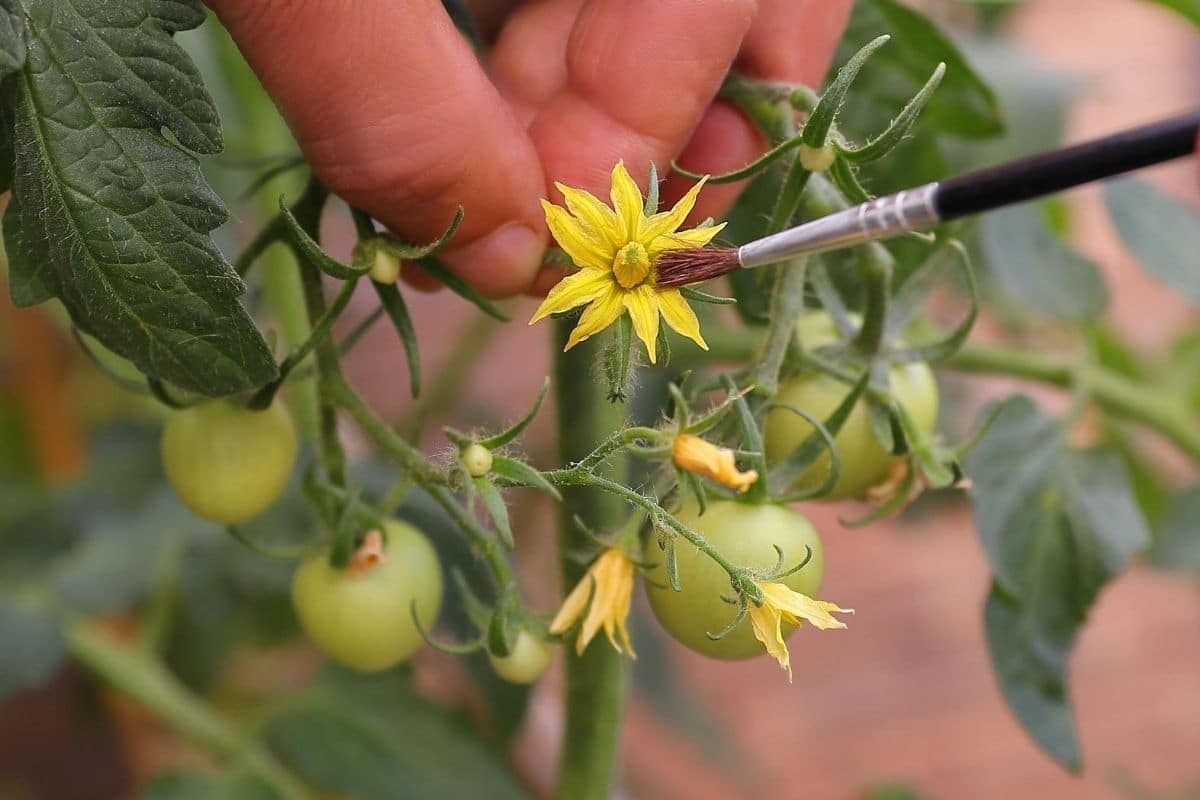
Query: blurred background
(902,705)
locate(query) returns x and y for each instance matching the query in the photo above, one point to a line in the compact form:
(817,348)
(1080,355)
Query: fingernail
(503,263)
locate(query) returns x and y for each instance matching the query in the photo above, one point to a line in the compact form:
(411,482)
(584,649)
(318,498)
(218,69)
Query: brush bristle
(684,267)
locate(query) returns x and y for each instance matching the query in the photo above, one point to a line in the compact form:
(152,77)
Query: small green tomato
(746,535)
(530,657)
(226,462)
(362,617)
(477,460)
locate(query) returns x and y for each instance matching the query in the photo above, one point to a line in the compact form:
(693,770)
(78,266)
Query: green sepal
(517,428)
(518,472)
(451,281)
(953,342)
(885,142)
(493,503)
(697,296)
(308,248)
(618,359)
(396,309)
(820,121)
(363,255)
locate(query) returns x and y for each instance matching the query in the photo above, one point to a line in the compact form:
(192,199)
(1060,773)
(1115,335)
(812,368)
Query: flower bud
(477,460)
(385,268)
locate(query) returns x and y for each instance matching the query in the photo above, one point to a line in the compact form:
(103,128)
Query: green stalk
(596,681)
(144,679)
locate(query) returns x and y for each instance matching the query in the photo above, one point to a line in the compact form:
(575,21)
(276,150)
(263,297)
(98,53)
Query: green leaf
(1177,536)
(14,37)
(109,214)
(369,737)
(1038,269)
(1190,9)
(1057,525)
(964,105)
(33,647)
(1161,231)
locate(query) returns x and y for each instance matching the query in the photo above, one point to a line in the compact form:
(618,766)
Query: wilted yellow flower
(609,584)
(782,605)
(616,250)
(694,454)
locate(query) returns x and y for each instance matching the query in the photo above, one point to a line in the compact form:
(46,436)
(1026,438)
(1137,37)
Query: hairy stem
(596,681)
(132,672)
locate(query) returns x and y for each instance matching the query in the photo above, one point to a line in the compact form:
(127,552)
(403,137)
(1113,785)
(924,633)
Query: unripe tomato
(229,463)
(864,463)
(365,620)
(744,534)
(529,658)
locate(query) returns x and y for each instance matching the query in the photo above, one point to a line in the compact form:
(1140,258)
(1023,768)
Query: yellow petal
(766,623)
(695,237)
(573,606)
(621,610)
(700,457)
(603,312)
(679,315)
(592,213)
(627,203)
(642,303)
(666,222)
(574,290)
(797,608)
(583,248)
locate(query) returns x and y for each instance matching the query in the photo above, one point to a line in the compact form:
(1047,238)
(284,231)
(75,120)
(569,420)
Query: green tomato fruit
(746,535)
(229,463)
(864,462)
(530,657)
(365,620)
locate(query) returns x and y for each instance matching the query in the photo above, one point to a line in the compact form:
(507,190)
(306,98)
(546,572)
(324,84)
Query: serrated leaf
(964,104)
(110,215)
(369,737)
(1057,526)
(1164,233)
(13,37)
(33,647)
(1037,268)
(493,503)
(520,472)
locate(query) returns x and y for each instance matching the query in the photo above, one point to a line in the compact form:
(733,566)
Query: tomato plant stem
(129,670)
(595,681)
(1159,410)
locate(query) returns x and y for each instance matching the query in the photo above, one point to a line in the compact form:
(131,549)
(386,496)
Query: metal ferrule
(881,218)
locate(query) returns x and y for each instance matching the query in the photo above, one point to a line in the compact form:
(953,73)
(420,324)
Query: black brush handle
(1052,172)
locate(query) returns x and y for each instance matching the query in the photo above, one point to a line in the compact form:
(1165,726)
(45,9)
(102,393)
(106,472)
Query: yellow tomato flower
(609,585)
(695,455)
(782,605)
(616,249)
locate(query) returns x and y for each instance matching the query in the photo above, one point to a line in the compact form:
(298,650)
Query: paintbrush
(934,203)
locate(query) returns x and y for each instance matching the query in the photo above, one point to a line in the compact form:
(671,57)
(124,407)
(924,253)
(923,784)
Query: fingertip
(502,263)
(419,279)
(548,275)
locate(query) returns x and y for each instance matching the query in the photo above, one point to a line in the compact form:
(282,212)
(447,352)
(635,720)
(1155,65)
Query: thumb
(396,116)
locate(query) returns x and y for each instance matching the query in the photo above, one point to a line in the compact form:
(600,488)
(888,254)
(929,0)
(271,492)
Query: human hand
(397,115)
